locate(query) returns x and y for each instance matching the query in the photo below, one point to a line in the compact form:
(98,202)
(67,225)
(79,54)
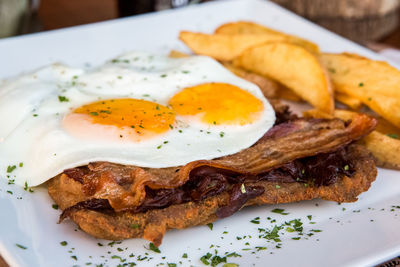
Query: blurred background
(374,23)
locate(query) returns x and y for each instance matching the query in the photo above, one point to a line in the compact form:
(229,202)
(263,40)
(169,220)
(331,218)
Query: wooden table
(55,14)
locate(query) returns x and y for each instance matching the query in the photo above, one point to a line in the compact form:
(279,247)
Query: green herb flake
(74,257)
(171,264)
(221,134)
(361,84)
(289,229)
(63,98)
(256,220)
(185,71)
(230,265)
(10,168)
(392,135)
(309,217)
(10,192)
(63,243)
(54,206)
(21,164)
(134,226)
(280,211)
(154,248)
(163,75)
(346,167)
(21,246)
(210,225)
(184,255)
(159,146)
(316,230)
(204,259)
(217,260)
(277,186)
(296,238)
(93,113)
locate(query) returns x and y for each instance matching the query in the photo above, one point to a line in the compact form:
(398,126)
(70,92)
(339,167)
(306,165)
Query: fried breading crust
(153,224)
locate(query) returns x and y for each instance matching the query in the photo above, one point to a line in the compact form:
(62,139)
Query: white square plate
(355,234)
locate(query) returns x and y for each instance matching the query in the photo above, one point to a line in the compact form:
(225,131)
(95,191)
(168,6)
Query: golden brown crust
(152,224)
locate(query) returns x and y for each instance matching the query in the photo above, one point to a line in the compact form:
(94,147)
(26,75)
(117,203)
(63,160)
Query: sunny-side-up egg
(138,109)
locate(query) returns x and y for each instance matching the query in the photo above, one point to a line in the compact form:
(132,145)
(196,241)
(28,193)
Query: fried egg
(139,109)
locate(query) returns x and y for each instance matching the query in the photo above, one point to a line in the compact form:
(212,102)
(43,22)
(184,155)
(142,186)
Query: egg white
(31,115)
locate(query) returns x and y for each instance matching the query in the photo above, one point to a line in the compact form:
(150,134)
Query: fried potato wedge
(349,101)
(294,67)
(375,83)
(384,146)
(246,27)
(225,47)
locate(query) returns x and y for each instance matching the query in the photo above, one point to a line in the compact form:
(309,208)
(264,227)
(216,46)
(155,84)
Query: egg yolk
(218,103)
(127,118)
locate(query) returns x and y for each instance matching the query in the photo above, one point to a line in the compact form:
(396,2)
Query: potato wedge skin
(375,83)
(247,27)
(294,67)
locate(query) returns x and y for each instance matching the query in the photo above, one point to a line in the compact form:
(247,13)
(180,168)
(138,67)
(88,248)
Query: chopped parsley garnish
(395,136)
(185,71)
(160,146)
(165,142)
(184,255)
(309,217)
(94,113)
(221,134)
(163,75)
(315,230)
(134,226)
(74,257)
(256,220)
(105,111)
(346,167)
(63,98)
(171,264)
(21,246)
(361,84)
(21,164)
(204,259)
(279,211)
(210,225)
(10,168)
(154,248)
(63,243)
(54,206)
(277,186)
